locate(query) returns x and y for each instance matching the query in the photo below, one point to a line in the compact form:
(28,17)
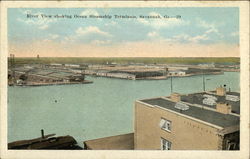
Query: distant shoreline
(131,60)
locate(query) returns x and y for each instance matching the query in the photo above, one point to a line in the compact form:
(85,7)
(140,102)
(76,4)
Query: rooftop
(49,73)
(119,142)
(197,98)
(213,117)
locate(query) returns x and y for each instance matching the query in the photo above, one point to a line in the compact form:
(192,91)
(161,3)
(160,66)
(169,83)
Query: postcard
(146,79)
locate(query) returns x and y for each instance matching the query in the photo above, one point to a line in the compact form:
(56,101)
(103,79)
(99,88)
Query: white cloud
(156,37)
(89,12)
(87,33)
(47,40)
(212,30)
(211,27)
(53,36)
(91,30)
(112,23)
(181,37)
(100,42)
(205,24)
(198,38)
(153,14)
(68,39)
(43,27)
(236,33)
(25,11)
(153,34)
(188,38)
(177,38)
(162,22)
(39,22)
(143,21)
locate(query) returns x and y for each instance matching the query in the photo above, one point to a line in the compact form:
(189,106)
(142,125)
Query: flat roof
(197,98)
(119,142)
(213,117)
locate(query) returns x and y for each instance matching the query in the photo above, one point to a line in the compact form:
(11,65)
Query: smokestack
(42,132)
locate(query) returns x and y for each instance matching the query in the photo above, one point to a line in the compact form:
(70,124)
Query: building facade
(186,122)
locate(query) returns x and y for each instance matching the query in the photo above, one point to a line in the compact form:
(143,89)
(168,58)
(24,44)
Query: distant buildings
(176,73)
(127,74)
(48,76)
(132,72)
(182,71)
(207,65)
(199,121)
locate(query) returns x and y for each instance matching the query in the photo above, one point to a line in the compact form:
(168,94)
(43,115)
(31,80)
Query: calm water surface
(89,111)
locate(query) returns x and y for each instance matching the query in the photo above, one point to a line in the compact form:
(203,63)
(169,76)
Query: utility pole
(203,81)
(12,63)
(171,84)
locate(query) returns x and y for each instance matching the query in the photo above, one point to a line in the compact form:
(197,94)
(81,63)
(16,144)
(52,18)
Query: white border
(244,50)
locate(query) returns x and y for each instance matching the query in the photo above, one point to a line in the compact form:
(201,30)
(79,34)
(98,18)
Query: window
(231,145)
(165,124)
(165,144)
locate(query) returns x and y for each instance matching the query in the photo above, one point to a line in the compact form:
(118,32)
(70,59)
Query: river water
(89,111)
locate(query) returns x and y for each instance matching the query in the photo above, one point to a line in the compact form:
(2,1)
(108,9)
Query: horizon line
(123,57)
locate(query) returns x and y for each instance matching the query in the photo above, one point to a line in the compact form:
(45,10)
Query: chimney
(220,91)
(42,133)
(223,108)
(175,97)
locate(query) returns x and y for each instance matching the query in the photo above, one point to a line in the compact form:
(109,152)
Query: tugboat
(46,142)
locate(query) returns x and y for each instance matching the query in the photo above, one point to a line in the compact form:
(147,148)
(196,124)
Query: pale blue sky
(199,25)
(199,32)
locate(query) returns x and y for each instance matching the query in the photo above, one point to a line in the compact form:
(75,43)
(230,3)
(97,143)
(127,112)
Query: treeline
(128,60)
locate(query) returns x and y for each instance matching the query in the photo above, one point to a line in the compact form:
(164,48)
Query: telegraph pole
(171,84)
(203,81)
(12,65)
